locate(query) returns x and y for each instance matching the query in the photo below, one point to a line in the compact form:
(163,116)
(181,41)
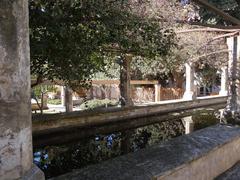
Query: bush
(98,103)
(54,101)
(204,120)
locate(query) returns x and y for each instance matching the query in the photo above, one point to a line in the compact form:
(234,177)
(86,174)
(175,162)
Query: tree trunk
(68,100)
(125,86)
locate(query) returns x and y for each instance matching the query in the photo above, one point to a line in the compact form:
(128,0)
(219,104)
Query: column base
(34,174)
(189,96)
(223,93)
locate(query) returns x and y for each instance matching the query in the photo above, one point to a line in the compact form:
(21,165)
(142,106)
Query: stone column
(189,93)
(62,95)
(224,81)
(126,141)
(16,159)
(189,124)
(157,88)
(231,112)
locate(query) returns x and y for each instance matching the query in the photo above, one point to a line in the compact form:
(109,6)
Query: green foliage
(70,39)
(38,90)
(204,120)
(193,47)
(112,69)
(98,103)
(206,75)
(156,133)
(62,159)
(54,101)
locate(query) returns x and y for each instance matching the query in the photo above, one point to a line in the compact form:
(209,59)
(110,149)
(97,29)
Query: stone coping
(56,122)
(42,117)
(159,161)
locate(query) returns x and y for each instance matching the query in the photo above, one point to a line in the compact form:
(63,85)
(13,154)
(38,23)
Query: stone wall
(204,154)
(48,128)
(15,110)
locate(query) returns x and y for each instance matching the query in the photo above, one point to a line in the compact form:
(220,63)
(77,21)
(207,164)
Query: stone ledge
(34,174)
(58,122)
(203,154)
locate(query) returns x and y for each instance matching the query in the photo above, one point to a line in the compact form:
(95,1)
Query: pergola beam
(235,27)
(207,30)
(219,12)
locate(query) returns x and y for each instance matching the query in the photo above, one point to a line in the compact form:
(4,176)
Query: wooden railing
(156,93)
(103,84)
(171,93)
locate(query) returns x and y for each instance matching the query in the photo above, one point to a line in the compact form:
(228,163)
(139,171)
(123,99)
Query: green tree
(70,39)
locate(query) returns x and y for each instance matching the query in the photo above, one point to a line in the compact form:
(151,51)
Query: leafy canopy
(70,39)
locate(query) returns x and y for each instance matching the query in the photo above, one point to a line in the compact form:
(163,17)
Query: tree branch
(225,35)
(217,38)
(217,11)
(238,2)
(209,54)
(38,81)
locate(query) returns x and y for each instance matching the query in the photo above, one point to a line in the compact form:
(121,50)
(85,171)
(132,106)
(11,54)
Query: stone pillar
(126,141)
(189,124)
(68,100)
(157,88)
(62,95)
(189,93)
(224,81)
(231,112)
(16,159)
(125,81)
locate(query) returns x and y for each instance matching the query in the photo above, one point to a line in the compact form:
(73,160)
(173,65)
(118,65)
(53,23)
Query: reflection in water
(56,160)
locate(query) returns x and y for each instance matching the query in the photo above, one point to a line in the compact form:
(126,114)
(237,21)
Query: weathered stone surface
(201,155)
(33,174)
(231,112)
(15,109)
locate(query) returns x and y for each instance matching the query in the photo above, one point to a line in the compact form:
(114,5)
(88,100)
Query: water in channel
(57,160)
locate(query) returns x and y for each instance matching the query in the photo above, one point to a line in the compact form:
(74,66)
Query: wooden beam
(143,82)
(217,11)
(100,82)
(106,82)
(206,30)
(225,36)
(216,26)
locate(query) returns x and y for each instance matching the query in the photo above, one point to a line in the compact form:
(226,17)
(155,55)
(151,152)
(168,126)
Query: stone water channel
(61,158)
